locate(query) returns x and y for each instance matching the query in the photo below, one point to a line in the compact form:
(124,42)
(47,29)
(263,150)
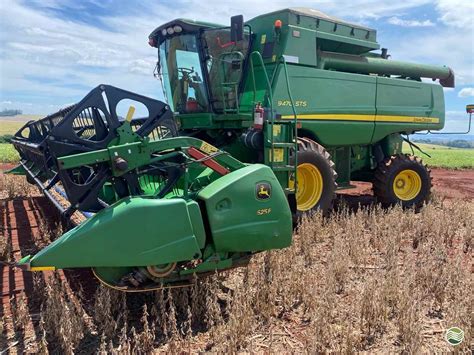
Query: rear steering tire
(316,178)
(402,179)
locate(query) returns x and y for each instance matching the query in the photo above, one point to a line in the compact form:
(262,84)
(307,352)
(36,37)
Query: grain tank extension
(264,120)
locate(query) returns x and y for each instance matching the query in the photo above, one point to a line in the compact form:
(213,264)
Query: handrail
(295,122)
(270,94)
(288,87)
(222,75)
(269,88)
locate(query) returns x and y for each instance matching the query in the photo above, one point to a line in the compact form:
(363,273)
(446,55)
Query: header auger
(264,121)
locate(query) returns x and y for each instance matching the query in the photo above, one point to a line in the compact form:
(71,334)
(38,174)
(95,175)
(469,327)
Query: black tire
(30,180)
(315,154)
(387,172)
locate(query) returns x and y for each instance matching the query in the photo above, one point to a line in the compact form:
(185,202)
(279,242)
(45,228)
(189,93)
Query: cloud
(6,102)
(142,66)
(466,92)
(74,57)
(457,13)
(438,47)
(457,122)
(443,44)
(456,116)
(409,23)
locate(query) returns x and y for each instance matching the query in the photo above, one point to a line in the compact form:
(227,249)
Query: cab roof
(187,26)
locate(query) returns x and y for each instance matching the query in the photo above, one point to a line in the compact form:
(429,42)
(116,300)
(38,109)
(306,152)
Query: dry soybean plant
(371,280)
(13,186)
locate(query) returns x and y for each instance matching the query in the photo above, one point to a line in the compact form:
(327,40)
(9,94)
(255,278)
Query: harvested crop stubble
(371,280)
(11,187)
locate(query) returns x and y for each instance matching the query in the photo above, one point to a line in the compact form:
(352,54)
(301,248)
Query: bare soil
(447,184)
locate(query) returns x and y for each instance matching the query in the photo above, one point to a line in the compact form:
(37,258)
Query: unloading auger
(161,207)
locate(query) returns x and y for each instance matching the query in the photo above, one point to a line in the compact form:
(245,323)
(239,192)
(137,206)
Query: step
(283,145)
(279,121)
(283,168)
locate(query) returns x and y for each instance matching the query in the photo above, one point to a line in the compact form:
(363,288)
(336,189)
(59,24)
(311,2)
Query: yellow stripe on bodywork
(332,117)
(368,118)
(42,268)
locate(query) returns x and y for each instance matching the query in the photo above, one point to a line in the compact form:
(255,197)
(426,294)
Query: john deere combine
(264,120)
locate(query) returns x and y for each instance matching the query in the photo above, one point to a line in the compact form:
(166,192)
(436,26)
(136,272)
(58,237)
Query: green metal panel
(194,120)
(321,96)
(239,220)
(17,170)
(414,106)
(360,158)
(240,151)
(339,133)
(301,27)
(408,98)
(322,91)
(197,223)
(392,144)
(342,158)
(294,43)
(133,232)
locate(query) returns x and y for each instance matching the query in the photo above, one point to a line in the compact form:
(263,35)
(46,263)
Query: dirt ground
(20,223)
(447,184)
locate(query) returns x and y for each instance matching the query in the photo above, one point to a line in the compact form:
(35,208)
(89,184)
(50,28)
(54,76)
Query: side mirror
(237,28)
(470,108)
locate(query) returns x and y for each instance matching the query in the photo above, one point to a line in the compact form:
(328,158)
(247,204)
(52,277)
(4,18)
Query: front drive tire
(402,179)
(316,178)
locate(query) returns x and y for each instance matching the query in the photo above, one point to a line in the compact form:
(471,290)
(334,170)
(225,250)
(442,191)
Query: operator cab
(200,65)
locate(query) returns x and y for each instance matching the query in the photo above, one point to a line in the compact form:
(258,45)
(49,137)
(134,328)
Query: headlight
(170,30)
(163,32)
(177,29)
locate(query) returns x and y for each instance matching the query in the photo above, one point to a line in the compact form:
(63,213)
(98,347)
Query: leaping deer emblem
(262,192)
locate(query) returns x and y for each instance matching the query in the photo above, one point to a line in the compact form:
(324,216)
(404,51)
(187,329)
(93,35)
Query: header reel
(90,125)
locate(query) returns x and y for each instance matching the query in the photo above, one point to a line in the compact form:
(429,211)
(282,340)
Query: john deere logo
(263,190)
(454,336)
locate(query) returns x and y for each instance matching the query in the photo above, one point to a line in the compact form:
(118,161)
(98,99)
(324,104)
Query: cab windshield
(181,74)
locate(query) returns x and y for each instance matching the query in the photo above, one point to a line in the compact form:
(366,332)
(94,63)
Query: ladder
(280,136)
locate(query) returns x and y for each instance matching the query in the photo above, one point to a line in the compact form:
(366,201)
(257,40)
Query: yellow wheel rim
(407,185)
(310,186)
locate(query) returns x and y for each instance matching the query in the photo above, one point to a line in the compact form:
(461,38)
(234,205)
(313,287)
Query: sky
(52,52)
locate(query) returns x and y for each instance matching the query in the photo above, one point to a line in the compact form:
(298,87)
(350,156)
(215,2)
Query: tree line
(10,112)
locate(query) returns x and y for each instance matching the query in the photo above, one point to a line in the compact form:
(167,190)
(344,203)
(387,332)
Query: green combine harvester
(264,121)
